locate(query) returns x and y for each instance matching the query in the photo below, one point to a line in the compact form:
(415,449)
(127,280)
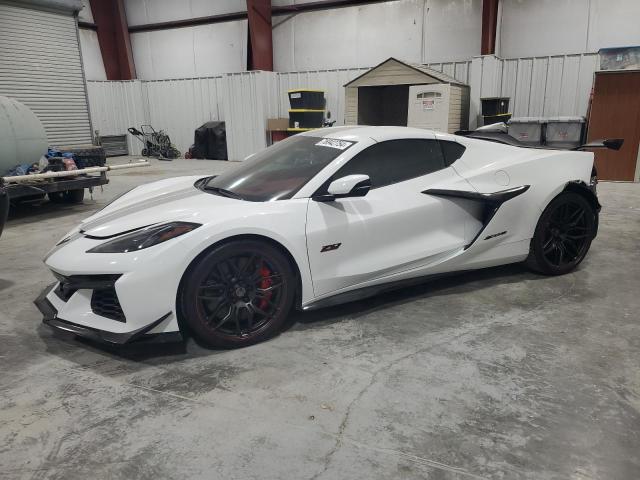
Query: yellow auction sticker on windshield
(334,143)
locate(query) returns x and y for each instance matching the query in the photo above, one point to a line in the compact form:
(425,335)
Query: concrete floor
(494,374)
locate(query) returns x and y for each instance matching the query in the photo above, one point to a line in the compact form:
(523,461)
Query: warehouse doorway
(615,113)
(384,105)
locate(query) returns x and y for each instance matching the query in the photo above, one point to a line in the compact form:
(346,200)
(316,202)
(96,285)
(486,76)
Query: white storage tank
(22,136)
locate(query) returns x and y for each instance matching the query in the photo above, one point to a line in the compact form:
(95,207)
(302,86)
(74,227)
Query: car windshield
(279,171)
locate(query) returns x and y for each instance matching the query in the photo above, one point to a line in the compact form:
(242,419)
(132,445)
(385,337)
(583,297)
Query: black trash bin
(495,109)
(210,141)
(492,106)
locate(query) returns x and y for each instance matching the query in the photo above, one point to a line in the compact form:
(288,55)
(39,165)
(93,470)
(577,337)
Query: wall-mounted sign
(622,58)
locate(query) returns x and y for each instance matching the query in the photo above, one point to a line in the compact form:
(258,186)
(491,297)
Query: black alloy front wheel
(563,235)
(238,294)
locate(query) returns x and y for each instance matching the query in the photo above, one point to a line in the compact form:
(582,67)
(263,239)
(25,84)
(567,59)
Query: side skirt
(366,292)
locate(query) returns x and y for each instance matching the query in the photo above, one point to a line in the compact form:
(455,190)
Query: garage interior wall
(421,31)
(538,86)
(244,100)
(40,66)
(89,46)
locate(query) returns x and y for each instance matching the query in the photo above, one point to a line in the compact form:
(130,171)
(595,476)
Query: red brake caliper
(266,282)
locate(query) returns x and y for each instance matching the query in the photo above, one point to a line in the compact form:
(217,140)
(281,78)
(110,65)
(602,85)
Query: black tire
(563,235)
(74,196)
(238,294)
(56,197)
(67,196)
(145,152)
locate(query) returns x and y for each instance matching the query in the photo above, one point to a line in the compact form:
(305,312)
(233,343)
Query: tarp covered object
(210,141)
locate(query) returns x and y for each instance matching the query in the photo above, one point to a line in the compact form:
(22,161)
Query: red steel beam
(260,51)
(230,17)
(489,25)
(113,36)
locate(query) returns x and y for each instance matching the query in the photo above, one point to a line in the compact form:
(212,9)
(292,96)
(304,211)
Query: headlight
(145,238)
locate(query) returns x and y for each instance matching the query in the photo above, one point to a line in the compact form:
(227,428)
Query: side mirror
(329,114)
(349,186)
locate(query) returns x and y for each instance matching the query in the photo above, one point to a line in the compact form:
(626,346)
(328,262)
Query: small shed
(407,94)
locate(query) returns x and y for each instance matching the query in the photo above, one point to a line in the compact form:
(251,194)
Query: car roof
(377,133)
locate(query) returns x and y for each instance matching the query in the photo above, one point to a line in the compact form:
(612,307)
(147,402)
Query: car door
(395,227)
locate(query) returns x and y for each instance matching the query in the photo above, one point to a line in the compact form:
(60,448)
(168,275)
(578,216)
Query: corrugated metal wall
(180,106)
(248,100)
(243,100)
(537,86)
(116,106)
(457,70)
(540,86)
(40,66)
(548,86)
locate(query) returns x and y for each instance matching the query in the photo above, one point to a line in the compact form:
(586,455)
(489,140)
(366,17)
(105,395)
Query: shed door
(429,107)
(615,113)
(40,66)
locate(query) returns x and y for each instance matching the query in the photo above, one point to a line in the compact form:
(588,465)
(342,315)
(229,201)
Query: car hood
(158,202)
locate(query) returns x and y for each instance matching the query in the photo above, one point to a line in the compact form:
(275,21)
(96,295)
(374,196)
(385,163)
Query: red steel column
(113,36)
(260,49)
(489,25)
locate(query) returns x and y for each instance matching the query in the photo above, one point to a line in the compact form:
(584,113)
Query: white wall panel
(203,50)
(452,30)
(180,106)
(91,55)
(546,86)
(153,11)
(116,106)
(247,100)
(243,100)
(543,27)
(613,23)
(457,70)
(540,86)
(558,27)
(360,36)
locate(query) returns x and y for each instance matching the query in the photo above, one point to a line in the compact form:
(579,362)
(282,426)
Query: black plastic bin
(306,99)
(494,106)
(305,118)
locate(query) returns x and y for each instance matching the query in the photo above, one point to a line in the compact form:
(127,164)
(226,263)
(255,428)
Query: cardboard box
(277,124)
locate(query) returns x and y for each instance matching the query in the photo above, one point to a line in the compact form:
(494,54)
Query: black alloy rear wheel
(238,294)
(563,235)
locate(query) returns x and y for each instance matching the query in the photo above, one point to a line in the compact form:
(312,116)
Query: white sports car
(323,217)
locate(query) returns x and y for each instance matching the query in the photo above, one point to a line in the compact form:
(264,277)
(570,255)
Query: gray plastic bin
(564,132)
(527,129)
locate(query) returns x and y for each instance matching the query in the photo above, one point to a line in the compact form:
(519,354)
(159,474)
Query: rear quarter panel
(493,167)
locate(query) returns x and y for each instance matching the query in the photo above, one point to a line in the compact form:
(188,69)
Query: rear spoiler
(610,143)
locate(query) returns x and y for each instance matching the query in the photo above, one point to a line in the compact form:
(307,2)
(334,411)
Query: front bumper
(50,318)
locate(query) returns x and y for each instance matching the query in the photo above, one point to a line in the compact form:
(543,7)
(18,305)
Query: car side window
(395,161)
(452,151)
